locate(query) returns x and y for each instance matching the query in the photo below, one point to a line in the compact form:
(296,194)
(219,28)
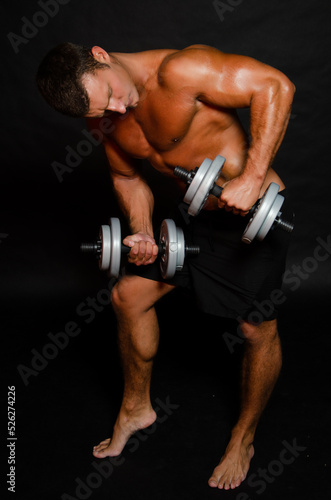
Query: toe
(212,482)
(227,484)
(99,454)
(102,445)
(220,485)
(215,480)
(104,442)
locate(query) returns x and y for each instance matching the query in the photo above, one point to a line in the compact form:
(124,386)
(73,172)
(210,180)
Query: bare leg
(260,369)
(138,333)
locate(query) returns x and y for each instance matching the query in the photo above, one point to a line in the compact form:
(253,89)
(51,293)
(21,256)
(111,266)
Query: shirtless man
(179,107)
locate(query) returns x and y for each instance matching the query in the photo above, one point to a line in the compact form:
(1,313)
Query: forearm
(137,203)
(134,196)
(270,108)
(270,111)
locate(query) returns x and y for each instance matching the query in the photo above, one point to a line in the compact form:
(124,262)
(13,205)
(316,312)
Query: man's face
(110,89)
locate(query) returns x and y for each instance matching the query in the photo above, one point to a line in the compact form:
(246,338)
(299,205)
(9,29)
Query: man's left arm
(234,81)
(270,95)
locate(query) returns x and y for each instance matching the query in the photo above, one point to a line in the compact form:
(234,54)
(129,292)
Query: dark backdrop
(43,276)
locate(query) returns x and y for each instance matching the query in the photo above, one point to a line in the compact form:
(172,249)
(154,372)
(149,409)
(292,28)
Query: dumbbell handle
(216,190)
(189,249)
(95,248)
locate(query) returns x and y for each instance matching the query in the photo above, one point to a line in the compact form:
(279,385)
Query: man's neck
(138,65)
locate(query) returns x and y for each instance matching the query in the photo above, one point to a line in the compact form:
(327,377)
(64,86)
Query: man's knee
(124,295)
(133,294)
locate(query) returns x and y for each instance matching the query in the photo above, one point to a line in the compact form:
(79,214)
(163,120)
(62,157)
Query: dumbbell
(264,215)
(109,248)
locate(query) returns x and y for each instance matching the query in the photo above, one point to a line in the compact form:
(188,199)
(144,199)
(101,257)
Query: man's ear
(100,54)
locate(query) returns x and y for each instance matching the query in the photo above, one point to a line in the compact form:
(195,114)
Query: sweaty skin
(177,107)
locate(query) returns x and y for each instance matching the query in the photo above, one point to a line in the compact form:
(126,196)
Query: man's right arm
(136,200)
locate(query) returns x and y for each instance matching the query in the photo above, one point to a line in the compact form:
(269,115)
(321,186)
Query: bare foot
(233,467)
(127,423)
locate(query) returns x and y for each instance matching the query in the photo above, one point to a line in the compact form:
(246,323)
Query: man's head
(78,81)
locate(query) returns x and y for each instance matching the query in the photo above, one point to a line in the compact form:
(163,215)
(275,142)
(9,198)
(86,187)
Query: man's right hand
(143,249)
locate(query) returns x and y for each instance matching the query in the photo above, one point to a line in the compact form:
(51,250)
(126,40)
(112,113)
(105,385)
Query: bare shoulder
(200,69)
(190,66)
(194,58)
(193,52)
(206,56)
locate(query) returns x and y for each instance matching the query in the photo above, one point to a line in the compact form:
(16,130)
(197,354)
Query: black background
(71,404)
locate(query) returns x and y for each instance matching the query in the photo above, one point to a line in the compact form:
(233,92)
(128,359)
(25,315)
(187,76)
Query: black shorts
(229,278)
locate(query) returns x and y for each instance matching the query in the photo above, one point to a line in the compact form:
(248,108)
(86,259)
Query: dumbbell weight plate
(105,238)
(270,219)
(116,243)
(110,236)
(264,215)
(173,241)
(204,179)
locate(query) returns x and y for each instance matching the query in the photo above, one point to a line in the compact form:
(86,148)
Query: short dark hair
(59,78)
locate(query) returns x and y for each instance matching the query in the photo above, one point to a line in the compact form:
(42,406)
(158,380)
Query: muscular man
(177,107)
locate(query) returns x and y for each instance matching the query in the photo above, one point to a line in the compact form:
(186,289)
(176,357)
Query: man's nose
(116,105)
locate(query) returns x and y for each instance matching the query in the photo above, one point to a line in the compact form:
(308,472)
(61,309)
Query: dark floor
(68,403)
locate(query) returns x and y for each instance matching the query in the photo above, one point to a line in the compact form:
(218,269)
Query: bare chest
(171,131)
(153,127)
